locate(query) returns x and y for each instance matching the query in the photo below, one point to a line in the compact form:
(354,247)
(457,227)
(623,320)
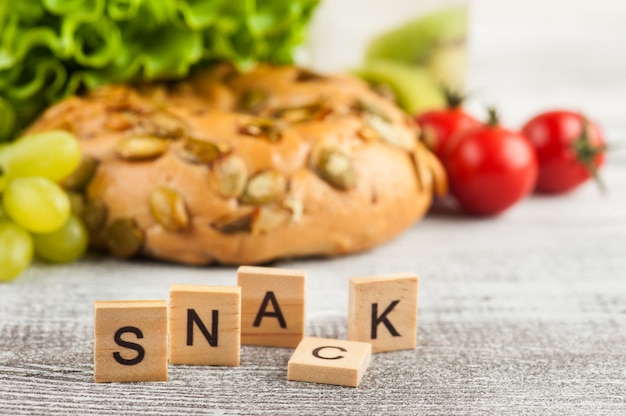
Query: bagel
(245,168)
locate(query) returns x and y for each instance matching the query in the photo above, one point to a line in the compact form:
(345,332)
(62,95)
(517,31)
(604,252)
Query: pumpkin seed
(252,101)
(120,121)
(423,173)
(439,176)
(168,208)
(428,136)
(306,75)
(141,148)
(368,134)
(391,135)
(264,128)
(236,223)
(123,238)
(264,187)
(166,125)
(295,206)
(94,215)
(229,176)
(381,123)
(369,108)
(385,91)
(81,177)
(383,129)
(200,151)
(298,114)
(270,218)
(336,168)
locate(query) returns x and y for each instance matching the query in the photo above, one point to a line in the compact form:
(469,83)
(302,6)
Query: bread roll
(245,168)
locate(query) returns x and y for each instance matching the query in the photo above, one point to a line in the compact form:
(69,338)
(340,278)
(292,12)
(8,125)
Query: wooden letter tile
(130,341)
(272,306)
(329,361)
(383,311)
(205,324)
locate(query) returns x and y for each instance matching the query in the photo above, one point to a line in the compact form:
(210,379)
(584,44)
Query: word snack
(206,325)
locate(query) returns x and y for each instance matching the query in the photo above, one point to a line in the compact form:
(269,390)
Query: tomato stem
(493,118)
(454,98)
(586,153)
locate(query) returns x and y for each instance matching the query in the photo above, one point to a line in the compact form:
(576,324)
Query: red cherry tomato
(490,168)
(438,126)
(570,149)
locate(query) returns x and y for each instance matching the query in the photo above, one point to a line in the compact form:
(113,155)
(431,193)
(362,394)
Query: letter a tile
(205,324)
(130,341)
(383,310)
(329,361)
(272,306)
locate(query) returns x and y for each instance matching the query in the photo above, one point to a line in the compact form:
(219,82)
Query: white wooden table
(522,314)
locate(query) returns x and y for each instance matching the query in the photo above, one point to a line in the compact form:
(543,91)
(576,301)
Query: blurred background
(534,55)
(523,56)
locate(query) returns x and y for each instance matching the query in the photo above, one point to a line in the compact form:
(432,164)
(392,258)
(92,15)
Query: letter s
(141,352)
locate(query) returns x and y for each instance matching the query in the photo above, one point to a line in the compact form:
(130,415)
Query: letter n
(193,318)
(205,325)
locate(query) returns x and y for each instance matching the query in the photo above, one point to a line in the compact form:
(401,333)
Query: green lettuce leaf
(50,49)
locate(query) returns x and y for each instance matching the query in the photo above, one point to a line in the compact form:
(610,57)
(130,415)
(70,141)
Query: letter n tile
(205,325)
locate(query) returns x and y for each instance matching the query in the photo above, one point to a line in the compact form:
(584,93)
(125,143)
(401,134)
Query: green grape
(16,250)
(53,155)
(66,244)
(4,178)
(36,203)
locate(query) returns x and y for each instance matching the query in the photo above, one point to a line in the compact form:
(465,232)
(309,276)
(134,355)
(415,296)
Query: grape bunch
(35,211)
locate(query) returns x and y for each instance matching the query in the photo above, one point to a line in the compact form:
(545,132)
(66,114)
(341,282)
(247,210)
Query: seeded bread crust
(233,168)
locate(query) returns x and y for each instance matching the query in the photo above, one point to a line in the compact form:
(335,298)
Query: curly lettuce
(50,49)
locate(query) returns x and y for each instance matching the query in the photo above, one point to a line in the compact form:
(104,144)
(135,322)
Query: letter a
(270,297)
(269,292)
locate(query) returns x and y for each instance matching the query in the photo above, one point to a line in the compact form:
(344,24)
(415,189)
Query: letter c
(316,352)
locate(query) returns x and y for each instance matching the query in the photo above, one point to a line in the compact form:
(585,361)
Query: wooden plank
(130,341)
(329,361)
(272,305)
(205,325)
(382,310)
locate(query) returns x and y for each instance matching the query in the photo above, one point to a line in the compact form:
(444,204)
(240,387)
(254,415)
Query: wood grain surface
(518,315)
